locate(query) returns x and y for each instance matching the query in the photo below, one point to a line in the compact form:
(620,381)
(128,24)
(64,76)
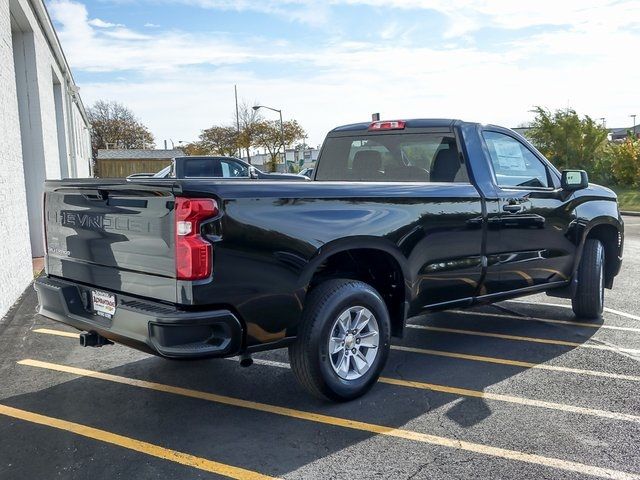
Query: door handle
(513,208)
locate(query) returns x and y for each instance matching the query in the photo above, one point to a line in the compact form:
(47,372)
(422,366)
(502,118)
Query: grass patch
(629,198)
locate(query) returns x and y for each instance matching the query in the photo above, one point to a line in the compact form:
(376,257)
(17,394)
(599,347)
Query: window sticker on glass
(509,155)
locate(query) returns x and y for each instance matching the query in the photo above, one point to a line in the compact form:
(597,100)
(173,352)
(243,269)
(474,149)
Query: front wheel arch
(611,238)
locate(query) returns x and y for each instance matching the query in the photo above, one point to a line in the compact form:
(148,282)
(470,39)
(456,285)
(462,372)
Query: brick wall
(39,138)
(15,251)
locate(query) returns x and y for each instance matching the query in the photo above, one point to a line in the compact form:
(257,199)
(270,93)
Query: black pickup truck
(402,217)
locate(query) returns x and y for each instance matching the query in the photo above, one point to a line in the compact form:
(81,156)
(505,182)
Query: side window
(199,167)
(513,163)
(231,169)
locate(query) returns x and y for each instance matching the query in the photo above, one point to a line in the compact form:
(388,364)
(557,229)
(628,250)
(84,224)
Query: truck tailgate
(115,235)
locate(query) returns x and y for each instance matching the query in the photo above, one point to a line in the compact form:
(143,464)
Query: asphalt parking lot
(516,390)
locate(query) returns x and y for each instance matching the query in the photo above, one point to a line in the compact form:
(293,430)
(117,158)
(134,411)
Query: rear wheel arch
(374,263)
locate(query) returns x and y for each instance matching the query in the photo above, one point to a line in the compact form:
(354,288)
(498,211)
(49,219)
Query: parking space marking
(519,338)
(464,356)
(133,444)
(498,452)
(544,320)
(515,363)
(60,333)
(606,309)
(626,417)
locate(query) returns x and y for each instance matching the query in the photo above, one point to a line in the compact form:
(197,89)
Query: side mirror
(574,179)
(253,173)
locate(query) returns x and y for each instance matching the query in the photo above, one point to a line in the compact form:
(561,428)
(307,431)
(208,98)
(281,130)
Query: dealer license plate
(104,304)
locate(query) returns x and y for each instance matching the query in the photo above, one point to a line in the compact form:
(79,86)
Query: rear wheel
(588,300)
(343,342)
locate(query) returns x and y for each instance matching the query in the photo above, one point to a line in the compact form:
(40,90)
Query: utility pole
(284,147)
(235,89)
(634,125)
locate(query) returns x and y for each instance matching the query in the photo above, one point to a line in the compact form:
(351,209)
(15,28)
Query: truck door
(527,242)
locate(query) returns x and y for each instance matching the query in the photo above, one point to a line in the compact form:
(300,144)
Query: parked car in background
(402,218)
(217,167)
(307,172)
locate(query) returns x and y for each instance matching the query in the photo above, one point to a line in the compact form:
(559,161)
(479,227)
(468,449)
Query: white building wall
(15,251)
(44,135)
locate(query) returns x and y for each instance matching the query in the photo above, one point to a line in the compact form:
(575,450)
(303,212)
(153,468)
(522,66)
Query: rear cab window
(392,157)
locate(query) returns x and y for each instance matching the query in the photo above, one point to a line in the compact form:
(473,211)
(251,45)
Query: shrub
(623,159)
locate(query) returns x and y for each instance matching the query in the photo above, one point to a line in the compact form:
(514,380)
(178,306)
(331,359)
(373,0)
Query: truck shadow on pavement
(274,444)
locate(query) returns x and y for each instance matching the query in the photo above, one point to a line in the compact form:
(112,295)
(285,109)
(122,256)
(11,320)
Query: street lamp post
(284,148)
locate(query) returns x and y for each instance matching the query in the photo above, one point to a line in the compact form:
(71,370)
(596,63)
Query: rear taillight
(387,125)
(193,253)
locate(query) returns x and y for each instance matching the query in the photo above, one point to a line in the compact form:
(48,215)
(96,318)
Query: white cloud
(96,22)
(183,82)
(151,25)
(99,50)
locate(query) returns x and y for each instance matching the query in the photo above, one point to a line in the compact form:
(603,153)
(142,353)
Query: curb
(631,214)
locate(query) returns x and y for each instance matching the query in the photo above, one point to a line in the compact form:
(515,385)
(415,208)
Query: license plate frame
(103,303)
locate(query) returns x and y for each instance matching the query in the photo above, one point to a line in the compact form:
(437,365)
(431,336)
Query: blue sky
(175,62)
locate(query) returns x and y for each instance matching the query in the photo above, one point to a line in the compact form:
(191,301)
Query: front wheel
(343,342)
(588,300)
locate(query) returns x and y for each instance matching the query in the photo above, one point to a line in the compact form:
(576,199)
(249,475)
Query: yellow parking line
(444,330)
(545,320)
(347,423)
(133,444)
(60,333)
(606,309)
(519,338)
(515,363)
(465,392)
(465,356)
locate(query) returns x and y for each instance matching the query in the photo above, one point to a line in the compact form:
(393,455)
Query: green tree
(623,161)
(115,126)
(219,140)
(567,140)
(195,148)
(269,136)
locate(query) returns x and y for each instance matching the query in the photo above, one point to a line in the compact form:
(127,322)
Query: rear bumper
(148,326)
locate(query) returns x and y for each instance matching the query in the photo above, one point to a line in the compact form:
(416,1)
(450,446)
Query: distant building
(45,134)
(120,163)
(621,133)
(293,157)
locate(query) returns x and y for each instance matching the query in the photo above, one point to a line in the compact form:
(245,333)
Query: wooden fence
(120,168)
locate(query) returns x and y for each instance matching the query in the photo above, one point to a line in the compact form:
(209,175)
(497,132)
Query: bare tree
(248,118)
(114,125)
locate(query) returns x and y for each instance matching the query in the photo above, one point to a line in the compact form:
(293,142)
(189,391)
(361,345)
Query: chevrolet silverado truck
(401,218)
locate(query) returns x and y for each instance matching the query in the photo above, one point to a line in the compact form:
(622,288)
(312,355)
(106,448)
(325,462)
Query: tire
(588,299)
(328,308)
